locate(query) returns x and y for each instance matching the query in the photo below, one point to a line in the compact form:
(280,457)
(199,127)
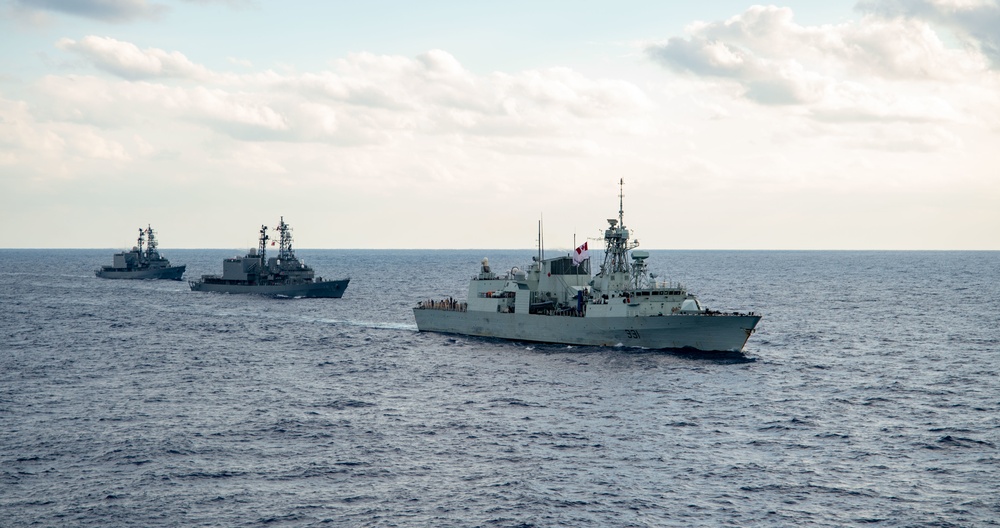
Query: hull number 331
(632,334)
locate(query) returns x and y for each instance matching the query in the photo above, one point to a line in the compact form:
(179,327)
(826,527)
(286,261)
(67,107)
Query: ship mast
(285,241)
(616,245)
(151,242)
(141,240)
(621,202)
(262,245)
(541,242)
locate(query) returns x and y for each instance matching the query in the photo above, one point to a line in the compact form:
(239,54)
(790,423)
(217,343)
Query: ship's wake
(378,325)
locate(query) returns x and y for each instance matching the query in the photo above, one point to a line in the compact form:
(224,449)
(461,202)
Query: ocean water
(869,396)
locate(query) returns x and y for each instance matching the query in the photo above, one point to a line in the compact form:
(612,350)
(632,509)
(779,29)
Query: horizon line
(514,249)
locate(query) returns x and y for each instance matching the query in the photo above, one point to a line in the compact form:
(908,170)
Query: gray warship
(141,263)
(557,301)
(280,276)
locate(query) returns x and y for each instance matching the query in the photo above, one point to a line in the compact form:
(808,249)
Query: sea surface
(870,396)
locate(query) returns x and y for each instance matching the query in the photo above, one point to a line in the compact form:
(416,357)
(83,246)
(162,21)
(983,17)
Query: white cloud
(43,150)
(974,21)
(400,132)
(365,99)
(126,60)
(777,61)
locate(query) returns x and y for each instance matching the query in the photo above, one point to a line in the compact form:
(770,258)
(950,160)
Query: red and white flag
(581,254)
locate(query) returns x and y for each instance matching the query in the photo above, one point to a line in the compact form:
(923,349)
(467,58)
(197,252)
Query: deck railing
(450,305)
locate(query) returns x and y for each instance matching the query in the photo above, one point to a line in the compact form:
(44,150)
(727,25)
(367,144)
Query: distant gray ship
(280,276)
(141,263)
(557,301)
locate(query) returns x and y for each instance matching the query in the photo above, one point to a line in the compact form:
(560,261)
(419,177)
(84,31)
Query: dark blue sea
(870,396)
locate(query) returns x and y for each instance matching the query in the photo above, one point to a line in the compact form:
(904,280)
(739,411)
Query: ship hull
(324,289)
(170,273)
(708,333)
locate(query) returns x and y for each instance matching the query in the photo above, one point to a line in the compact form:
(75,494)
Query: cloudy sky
(871,124)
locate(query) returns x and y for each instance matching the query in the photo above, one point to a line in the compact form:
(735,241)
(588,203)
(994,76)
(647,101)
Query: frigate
(141,263)
(283,275)
(556,300)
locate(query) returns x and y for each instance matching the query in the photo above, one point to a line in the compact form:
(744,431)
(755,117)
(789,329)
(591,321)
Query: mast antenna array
(285,241)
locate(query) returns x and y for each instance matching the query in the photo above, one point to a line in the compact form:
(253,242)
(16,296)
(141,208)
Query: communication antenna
(541,240)
(621,202)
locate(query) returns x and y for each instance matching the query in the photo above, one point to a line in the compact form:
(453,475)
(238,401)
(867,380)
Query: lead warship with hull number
(280,276)
(141,263)
(557,301)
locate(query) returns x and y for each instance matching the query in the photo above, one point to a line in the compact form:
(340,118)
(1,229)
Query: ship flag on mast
(581,254)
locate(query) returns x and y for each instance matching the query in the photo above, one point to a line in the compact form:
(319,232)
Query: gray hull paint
(708,333)
(333,289)
(171,273)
